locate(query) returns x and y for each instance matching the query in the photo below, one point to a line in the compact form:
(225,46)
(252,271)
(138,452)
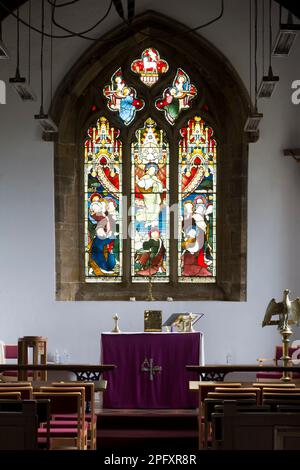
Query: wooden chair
(15,384)
(219,399)
(278,397)
(10,356)
(203,389)
(282,386)
(278,390)
(217,419)
(253,430)
(63,437)
(43,416)
(18,425)
(65,433)
(90,415)
(10,395)
(237,394)
(25,392)
(255,390)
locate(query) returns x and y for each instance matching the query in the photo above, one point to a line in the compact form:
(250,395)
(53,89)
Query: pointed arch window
(148,222)
(151,170)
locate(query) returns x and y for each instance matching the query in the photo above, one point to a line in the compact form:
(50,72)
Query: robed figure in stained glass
(177,97)
(103,186)
(197,202)
(151,257)
(122,98)
(150,182)
(102,259)
(195,224)
(151,188)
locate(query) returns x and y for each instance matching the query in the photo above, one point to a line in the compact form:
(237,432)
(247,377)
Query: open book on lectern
(176,318)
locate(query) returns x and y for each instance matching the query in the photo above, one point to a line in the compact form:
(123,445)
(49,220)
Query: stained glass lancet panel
(197,203)
(103,198)
(177,97)
(149,205)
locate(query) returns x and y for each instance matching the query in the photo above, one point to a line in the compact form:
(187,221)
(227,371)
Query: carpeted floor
(164,429)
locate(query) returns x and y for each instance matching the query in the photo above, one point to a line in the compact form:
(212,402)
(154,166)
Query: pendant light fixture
(269,81)
(43,118)
(20,84)
(3,49)
(255,117)
(286,36)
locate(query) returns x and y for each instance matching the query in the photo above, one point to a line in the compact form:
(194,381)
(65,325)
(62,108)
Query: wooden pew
(18,425)
(257,430)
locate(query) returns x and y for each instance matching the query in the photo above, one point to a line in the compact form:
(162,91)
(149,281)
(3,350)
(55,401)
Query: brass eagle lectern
(288,313)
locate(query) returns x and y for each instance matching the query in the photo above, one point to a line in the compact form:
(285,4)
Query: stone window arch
(222,103)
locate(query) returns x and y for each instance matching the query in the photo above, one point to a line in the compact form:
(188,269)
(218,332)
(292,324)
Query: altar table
(151,369)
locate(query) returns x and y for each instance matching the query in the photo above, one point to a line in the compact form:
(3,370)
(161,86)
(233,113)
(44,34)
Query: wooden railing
(82,371)
(217,372)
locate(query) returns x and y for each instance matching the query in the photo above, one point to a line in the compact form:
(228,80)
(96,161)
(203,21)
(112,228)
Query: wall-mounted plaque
(152,320)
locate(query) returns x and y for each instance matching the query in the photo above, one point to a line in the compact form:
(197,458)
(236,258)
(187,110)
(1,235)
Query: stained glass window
(103,190)
(193,239)
(197,203)
(177,97)
(149,203)
(150,66)
(122,98)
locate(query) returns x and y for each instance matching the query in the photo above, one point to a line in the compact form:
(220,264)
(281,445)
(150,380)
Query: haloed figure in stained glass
(197,202)
(195,224)
(122,98)
(150,183)
(103,187)
(102,257)
(177,97)
(151,188)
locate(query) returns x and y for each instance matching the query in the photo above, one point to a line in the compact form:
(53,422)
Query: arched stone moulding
(223,102)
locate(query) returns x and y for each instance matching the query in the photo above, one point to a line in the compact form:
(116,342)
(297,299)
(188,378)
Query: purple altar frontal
(151,369)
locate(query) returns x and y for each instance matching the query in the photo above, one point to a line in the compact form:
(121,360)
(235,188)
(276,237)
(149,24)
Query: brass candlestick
(285,333)
(150,291)
(116,328)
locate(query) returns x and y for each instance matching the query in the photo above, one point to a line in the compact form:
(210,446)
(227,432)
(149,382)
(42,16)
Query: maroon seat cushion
(72,416)
(57,423)
(10,373)
(59,432)
(269,375)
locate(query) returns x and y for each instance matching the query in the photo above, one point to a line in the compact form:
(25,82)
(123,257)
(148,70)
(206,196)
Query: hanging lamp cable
(82,33)
(29,42)
(250,53)
(263,36)
(51,59)
(115,38)
(65,36)
(255,52)
(71,2)
(270,33)
(18,41)
(42,58)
